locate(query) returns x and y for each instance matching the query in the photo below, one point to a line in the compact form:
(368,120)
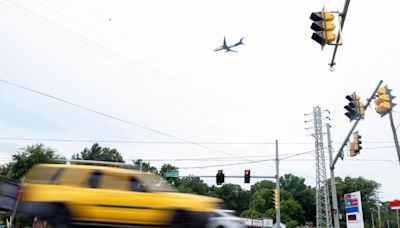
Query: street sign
(353,209)
(171,174)
(395,205)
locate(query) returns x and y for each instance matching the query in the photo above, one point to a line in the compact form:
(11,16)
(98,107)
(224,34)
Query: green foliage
(368,189)
(144,166)
(30,156)
(234,197)
(291,210)
(251,213)
(303,194)
(261,200)
(98,153)
(265,184)
(192,184)
(297,199)
(169,168)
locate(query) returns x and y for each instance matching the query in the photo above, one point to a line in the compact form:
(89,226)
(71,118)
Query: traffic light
(384,101)
(355,146)
(351,107)
(323,27)
(247,176)
(220,177)
(275,198)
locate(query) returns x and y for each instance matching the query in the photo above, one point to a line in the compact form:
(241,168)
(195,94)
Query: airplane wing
(219,49)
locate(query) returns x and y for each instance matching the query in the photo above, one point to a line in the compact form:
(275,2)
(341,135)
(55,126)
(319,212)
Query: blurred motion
(62,194)
(224,219)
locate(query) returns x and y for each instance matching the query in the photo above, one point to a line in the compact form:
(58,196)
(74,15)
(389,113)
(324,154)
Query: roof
(91,167)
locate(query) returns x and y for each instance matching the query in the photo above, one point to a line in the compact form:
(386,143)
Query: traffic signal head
(384,101)
(355,146)
(275,198)
(351,107)
(247,176)
(220,177)
(323,27)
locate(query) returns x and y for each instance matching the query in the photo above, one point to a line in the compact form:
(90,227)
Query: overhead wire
(92,110)
(173,142)
(119,58)
(115,118)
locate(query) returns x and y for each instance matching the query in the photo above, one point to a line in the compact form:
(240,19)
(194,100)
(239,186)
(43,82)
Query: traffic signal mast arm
(343,18)
(332,165)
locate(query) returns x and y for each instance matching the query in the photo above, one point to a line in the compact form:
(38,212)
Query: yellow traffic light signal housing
(355,146)
(323,27)
(220,177)
(384,101)
(247,176)
(275,198)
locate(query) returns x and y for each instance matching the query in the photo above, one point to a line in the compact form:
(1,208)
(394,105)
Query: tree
(192,184)
(144,166)
(169,168)
(251,213)
(235,198)
(98,153)
(28,157)
(368,189)
(261,200)
(262,184)
(303,194)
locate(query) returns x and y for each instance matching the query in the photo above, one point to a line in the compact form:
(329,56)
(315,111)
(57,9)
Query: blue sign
(352,209)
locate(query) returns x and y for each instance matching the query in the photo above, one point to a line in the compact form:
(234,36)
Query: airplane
(228,48)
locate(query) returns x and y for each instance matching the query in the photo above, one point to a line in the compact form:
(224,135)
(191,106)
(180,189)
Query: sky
(157,91)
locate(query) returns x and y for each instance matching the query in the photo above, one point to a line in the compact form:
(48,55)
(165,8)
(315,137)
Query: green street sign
(171,174)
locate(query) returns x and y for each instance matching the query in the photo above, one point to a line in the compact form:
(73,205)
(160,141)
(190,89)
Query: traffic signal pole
(332,165)
(333,182)
(277,210)
(396,140)
(343,18)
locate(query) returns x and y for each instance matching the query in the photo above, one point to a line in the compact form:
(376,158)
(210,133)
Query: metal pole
(333,181)
(398,223)
(379,216)
(353,127)
(396,140)
(277,210)
(372,219)
(343,18)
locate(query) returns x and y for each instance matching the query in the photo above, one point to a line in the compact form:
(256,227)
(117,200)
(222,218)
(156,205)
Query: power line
(115,118)
(168,142)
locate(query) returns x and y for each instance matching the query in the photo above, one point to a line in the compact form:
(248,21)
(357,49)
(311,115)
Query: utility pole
(277,210)
(372,219)
(333,181)
(396,140)
(379,216)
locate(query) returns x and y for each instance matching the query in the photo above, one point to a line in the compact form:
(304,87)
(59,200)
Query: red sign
(395,205)
(354,202)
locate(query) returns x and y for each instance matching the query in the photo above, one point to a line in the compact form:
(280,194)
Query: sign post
(395,205)
(353,208)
